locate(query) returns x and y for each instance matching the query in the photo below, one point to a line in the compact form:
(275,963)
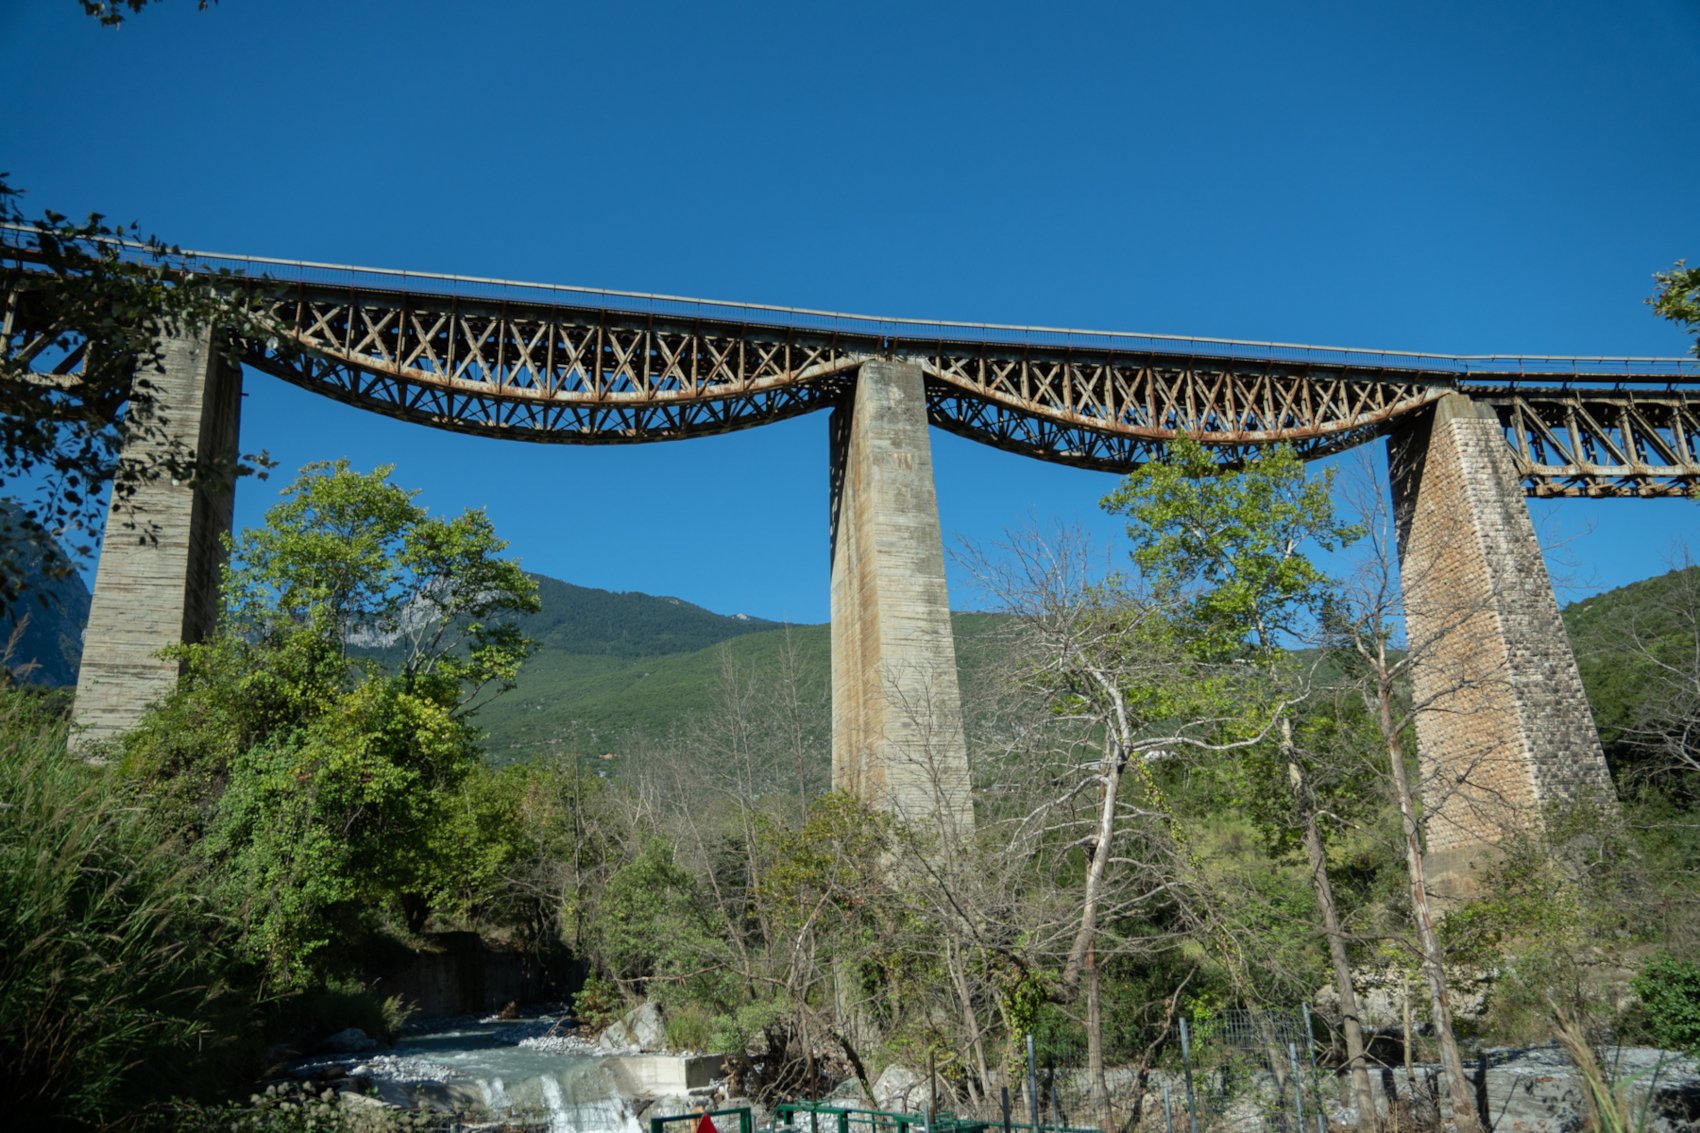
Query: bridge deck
(561,364)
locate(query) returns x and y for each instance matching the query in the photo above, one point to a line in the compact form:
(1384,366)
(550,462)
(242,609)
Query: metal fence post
(1186,1058)
(1032,1086)
(1298,1085)
(1315,1079)
(1006,1110)
(1168,1111)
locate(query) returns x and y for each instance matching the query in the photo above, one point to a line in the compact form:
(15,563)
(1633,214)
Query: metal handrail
(1586,367)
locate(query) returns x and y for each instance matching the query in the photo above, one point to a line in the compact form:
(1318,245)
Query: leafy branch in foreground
(87,311)
(1678,298)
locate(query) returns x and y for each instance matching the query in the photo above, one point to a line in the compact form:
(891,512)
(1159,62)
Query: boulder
(900,1090)
(615,1037)
(643,1023)
(351,1041)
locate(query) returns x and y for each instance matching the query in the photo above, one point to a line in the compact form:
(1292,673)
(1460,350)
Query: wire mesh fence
(1238,1071)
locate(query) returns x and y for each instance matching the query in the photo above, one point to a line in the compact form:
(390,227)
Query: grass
(111,965)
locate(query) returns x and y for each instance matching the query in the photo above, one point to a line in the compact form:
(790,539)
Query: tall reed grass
(111,964)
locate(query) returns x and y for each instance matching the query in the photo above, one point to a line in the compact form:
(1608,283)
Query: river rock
(899,1089)
(643,1024)
(615,1037)
(351,1041)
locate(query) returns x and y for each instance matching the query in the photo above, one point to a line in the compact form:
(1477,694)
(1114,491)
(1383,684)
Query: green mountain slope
(614,666)
(1659,611)
(604,623)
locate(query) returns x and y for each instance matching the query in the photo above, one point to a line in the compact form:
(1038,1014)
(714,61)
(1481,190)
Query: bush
(689,1028)
(1670,995)
(598,1003)
(309,1016)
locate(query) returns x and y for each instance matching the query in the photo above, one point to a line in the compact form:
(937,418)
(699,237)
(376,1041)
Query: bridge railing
(920,334)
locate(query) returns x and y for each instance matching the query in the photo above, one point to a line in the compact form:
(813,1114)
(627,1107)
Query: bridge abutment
(157,582)
(896,715)
(1503,728)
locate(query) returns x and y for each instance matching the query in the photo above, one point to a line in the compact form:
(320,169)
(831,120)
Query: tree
(323,735)
(1367,629)
(1122,684)
(111,12)
(1236,538)
(1678,298)
(88,308)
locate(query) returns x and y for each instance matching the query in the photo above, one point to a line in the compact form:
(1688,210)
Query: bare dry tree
(1117,690)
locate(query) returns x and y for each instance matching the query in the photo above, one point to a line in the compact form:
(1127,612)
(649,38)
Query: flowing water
(479,1063)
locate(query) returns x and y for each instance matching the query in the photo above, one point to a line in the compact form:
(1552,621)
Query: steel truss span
(566,365)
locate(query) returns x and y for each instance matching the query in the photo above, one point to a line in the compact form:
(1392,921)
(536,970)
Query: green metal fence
(745,1124)
(819,1117)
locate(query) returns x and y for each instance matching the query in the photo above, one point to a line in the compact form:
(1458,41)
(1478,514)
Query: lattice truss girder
(1602,442)
(592,375)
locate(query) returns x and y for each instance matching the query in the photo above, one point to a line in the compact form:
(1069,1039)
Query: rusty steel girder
(574,366)
(1600,442)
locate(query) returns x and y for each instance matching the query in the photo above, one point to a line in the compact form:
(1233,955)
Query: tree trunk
(1349,1020)
(1095,1043)
(1434,957)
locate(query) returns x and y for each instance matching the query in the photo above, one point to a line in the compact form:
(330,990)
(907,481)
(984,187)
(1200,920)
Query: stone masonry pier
(1504,730)
(157,581)
(896,717)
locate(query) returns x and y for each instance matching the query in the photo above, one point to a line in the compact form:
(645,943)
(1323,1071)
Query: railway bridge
(1468,438)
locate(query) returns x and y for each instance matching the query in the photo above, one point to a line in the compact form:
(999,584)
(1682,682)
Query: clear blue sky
(1469,178)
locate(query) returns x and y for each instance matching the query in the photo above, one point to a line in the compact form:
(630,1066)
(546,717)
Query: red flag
(706,1126)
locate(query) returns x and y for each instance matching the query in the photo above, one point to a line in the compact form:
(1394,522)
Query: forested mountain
(1636,649)
(605,623)
(56,609)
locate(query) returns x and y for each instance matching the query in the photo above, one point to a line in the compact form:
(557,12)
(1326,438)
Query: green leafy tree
(1670,992)
(333,779)
(1678,298)
(653,927)
(1234,542)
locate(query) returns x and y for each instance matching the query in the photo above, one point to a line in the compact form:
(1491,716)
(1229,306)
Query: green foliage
(316,1013)
(327,788)
(98,301)
(113,965)
(1670,990)
(598,1003)
(1231,539)
(653,926)
(689,1028)
(1678,297)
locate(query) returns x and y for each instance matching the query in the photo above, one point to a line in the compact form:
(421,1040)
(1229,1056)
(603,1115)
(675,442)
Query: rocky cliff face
(52,612)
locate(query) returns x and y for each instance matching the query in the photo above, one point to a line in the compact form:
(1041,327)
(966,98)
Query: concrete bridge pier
(1506,730)
(896,716)
(157,582)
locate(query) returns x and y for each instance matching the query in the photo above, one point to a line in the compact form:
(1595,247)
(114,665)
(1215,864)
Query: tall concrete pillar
(157,581)
(896,714)
(1504,728)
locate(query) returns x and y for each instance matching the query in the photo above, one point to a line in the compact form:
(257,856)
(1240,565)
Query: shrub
(598,1003)
(1670,992)
(689,1028)
(336,1005)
